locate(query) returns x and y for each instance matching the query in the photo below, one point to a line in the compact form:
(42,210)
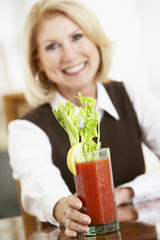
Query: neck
(90,90)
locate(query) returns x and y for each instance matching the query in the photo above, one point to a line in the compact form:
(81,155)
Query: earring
(36,77)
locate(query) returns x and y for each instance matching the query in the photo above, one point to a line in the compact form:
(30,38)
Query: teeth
(75,69)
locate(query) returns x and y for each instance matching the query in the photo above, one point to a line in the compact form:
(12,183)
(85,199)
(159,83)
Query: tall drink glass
(95,188)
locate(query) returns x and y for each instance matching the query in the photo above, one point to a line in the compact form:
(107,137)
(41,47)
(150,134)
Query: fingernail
(77,204)
(85,229)
(86,219)
(73,234)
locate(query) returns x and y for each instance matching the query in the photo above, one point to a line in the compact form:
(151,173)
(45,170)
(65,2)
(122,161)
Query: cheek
(51,63)
(95,56)
(48,60)
(95,51)
(95,59)
(92,51)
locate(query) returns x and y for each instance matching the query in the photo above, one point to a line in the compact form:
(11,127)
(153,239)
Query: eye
(52,46)
(77,36)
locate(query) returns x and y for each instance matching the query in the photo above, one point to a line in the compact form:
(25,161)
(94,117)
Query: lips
(75,69)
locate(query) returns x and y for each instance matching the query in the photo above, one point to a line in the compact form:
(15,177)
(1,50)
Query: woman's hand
(127,213)
(67,211)
(123,195)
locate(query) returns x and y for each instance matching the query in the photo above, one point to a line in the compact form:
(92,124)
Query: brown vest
(123,137)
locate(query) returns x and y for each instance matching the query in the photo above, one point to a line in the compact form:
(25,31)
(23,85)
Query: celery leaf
(89,134)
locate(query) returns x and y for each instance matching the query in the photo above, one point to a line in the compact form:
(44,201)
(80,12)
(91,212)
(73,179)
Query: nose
(68,53)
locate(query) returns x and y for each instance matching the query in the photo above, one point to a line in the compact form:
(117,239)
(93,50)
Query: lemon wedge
(73,157)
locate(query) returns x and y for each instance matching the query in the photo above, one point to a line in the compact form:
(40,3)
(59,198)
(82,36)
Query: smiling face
(66,55)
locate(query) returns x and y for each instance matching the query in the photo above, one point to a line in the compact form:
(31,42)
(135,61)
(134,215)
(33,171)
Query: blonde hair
(39,93)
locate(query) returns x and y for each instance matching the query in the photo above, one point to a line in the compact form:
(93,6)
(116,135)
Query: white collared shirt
(41,182)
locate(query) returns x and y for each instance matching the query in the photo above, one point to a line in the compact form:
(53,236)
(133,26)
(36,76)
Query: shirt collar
(104,102)
(56,99)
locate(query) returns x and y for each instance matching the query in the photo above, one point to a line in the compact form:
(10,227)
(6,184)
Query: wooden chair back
(16,106)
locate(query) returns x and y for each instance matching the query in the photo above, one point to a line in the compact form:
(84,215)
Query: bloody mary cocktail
(94,185)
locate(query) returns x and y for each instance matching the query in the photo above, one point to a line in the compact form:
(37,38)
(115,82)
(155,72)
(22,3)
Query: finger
(77,216)
(74,202)
(123,195)
(127,213)
(75,226)
(70,233)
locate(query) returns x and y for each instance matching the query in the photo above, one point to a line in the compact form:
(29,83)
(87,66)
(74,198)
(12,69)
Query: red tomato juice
(94,186)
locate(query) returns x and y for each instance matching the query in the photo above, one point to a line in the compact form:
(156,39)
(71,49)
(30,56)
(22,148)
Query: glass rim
(100,150)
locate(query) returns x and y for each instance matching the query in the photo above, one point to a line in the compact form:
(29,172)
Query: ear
(38,62)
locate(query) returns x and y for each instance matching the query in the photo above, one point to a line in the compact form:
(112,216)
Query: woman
(66,52)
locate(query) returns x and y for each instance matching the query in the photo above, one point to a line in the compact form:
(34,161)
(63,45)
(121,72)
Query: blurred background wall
(134,26)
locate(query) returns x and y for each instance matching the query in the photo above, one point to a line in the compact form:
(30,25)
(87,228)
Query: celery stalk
(89,134)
